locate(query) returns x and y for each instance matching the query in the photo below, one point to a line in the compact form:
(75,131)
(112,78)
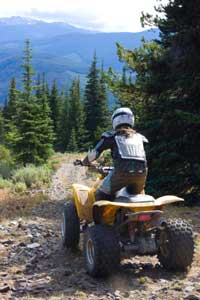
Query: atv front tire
(101,250)
(176,245)
(70,227)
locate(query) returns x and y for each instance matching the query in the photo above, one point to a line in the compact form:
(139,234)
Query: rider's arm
(104,144)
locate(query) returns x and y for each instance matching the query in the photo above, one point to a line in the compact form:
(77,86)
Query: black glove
(78,162)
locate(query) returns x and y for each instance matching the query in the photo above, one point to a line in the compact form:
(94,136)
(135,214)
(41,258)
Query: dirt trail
(64,177)
(33,264)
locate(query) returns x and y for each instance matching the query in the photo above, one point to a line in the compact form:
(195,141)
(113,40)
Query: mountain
(15,20)
(17,28)
(59,49)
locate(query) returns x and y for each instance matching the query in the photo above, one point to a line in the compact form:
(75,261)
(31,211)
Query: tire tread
(72,226)
(181,245)
(107,250)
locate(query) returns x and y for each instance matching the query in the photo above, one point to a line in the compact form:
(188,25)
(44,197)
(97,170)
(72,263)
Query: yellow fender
(109,208)
(84,199)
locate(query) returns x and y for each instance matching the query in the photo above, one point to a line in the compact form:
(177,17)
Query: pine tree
(38,87)
(28,72)
(177,101)
(10,113)
(72,145)
(10,109)
(31,135)
(45,129)
(76,115)
(103,111)
(124,78)
(65,123)
(1,127)
(91,100)
(166,92)
(95,103)
(45,87)
(55,106)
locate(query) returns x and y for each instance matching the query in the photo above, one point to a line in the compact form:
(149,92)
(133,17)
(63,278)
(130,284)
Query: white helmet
(121,116)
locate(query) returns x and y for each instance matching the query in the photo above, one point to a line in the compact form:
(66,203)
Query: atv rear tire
(176,245)
(101,250)
(70,227)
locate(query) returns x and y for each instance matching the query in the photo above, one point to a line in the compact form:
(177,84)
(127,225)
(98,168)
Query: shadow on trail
(62,273)
(153,271)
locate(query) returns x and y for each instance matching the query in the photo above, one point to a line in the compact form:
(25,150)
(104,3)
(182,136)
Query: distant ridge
(16,20)
(60,50)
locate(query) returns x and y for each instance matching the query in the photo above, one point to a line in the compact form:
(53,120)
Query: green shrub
(19,187)
(6,162)
(5,155)
(32,176)
(5,183)
(5,170)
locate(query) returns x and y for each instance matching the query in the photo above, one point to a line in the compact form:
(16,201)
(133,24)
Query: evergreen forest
(160,82)
(38,120)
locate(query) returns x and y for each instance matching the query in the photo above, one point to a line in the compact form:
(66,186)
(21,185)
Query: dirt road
(34,266)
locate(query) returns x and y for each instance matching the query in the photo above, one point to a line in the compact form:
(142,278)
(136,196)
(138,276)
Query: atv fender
(83,197)
(108,209)
(164,200)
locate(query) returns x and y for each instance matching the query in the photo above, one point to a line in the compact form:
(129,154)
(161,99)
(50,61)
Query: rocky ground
(34,266)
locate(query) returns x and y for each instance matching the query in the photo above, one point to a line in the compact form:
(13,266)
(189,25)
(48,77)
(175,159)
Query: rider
(129,159)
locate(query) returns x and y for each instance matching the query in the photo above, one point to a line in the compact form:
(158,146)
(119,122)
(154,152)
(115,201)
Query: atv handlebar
(100,169)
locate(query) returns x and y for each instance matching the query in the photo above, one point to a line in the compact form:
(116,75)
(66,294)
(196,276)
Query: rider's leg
(135,182)
(115,181)
(104,191)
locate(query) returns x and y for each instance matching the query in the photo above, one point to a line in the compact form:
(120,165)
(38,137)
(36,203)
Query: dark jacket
(108,141)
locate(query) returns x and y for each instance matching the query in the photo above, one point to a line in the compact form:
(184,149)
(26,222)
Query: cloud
(105,15)
(87,19)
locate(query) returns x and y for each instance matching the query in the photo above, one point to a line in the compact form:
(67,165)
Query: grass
(20,179)
(19,187)
(4,183)
(12,206)
(16,197)
(58,158)
(32,176)
(29,177)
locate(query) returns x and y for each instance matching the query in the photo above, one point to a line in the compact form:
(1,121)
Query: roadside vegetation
(18,178)
(23,188)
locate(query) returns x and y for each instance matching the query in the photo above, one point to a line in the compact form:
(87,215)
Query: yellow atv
(126,226)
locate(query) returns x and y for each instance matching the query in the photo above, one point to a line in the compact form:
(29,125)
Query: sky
(102,15)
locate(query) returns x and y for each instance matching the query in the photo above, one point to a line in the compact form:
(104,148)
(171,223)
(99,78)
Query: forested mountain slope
(60,50)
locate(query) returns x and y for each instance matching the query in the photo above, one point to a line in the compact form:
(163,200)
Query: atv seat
(124,196)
